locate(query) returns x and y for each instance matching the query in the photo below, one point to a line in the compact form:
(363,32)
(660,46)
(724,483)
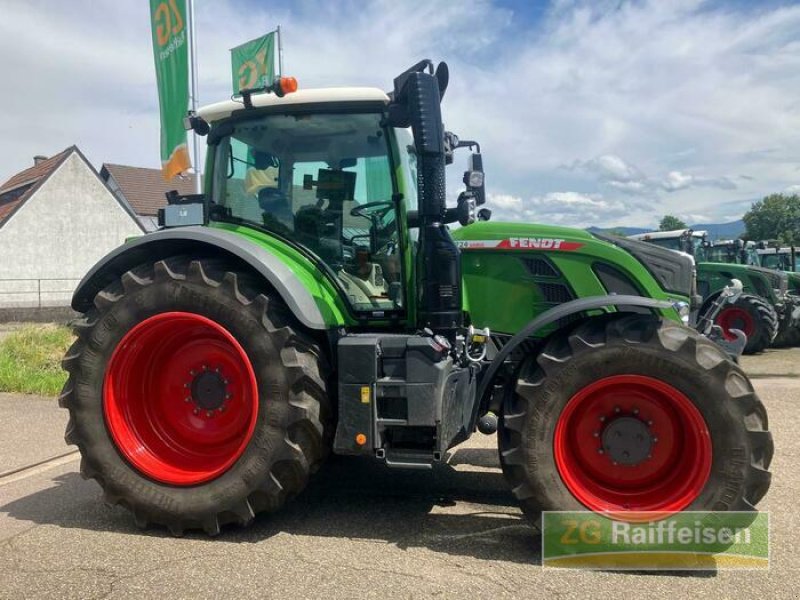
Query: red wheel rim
(733,317)
(180,398)
(672,460)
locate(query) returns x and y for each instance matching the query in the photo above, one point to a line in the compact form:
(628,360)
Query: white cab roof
(666,235)
(221,110)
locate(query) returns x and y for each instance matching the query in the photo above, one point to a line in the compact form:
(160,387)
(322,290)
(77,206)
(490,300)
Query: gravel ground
(358,531)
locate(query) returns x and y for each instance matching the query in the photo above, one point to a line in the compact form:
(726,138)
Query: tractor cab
(323,182)
(781,258)
(738,252)
(328,173)
(688,241)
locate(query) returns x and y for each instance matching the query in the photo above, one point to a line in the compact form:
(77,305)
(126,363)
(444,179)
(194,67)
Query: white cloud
(505,201)
(613,168)
(676,180)
(565,208)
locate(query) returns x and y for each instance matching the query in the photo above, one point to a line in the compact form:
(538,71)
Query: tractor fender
(201,241)
(551,316)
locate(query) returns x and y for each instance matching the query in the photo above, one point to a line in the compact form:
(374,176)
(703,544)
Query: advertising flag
(253,63)
(171,53)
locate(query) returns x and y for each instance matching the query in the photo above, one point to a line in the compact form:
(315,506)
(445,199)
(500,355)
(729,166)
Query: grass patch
(30,359)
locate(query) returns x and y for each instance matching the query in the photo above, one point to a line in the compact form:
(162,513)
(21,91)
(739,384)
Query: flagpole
(280,52)
(198,186)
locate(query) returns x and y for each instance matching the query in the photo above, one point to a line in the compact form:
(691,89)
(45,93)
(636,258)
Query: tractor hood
(521,236)
(514,271)
(674,271)
(778,280)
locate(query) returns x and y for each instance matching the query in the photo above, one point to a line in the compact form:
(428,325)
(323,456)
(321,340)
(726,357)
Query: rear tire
(643,365)
(226,460)
(753,315)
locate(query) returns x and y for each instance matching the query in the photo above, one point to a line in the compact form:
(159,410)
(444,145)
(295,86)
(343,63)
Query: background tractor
(746,253)
(314,300)
(761,312)
(780,258)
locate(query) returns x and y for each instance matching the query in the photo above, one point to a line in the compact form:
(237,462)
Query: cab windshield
(323,181)
(690,245)
(721,254)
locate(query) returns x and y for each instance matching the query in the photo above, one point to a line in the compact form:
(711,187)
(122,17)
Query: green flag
(253,63)
(171,52)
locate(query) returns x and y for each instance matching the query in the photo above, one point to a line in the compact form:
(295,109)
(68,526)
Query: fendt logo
(534,243)
(520,243)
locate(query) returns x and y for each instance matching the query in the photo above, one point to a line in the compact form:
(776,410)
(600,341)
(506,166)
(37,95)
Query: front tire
(633,413)
(194,398)
(755,317)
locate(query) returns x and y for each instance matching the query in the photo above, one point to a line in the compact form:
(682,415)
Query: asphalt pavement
(359,531)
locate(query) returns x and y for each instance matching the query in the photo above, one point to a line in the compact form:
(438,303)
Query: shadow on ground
(459,512)
(454,511)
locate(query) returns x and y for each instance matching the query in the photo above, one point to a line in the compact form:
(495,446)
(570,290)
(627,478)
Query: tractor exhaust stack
(416,102)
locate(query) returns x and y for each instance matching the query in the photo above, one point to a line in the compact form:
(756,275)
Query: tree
(670,223)
(776,217)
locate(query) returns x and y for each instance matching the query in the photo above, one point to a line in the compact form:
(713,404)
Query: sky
(588,112)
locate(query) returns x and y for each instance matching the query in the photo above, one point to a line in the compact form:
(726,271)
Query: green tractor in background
(314,300)
(765,309)
(780,258)
(747,253)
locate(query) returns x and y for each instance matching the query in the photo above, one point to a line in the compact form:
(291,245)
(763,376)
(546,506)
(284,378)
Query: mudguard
(202,241)
(551,316)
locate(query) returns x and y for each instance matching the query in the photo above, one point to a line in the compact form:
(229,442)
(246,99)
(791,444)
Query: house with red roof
(57,219)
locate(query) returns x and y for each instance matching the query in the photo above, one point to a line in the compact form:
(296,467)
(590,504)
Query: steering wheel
(371,209)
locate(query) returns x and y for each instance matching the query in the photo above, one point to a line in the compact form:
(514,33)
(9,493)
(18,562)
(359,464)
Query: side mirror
(475,179)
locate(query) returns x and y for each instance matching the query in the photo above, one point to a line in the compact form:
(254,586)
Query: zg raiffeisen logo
(682,541)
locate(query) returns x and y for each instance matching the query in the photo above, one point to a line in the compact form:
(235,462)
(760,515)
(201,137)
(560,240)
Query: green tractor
(314,300)
(747,253)
(764,309)
(780,258)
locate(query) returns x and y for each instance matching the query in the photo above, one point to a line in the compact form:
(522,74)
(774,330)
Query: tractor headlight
(684,310)
(475,179)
